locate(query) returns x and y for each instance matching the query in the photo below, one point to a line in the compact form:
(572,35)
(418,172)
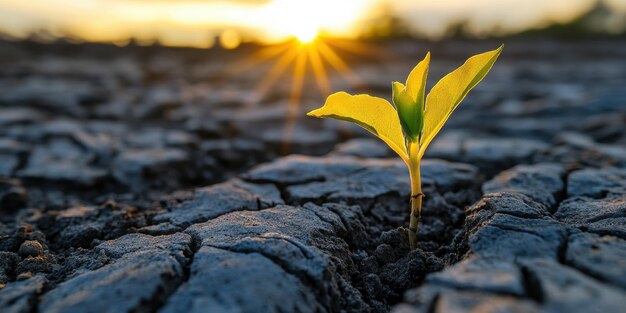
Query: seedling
(411,123)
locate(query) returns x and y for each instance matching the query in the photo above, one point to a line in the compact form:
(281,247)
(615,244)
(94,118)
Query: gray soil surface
(142,179)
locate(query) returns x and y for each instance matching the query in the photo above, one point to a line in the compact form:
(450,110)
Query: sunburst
(307,56)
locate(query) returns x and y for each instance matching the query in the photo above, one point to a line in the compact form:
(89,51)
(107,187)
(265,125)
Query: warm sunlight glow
(306,34)
(185,22)
(305,19)
(200,23)
(305,58)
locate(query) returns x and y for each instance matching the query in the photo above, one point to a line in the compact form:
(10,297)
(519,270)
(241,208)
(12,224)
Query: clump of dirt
(385,267)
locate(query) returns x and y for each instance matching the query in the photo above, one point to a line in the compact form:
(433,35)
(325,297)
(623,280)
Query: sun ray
(296,55)
(319,71)
(258,57)
(299,74)
(337,63)
(274,73)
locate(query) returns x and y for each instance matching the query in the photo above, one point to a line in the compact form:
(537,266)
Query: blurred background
(203,24)
(140,97)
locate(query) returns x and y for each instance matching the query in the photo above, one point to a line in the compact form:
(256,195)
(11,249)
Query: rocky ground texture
(147,180)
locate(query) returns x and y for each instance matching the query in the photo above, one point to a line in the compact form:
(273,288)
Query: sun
(305,34)
(307,54)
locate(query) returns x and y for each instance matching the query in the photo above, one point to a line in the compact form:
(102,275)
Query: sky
(198,22)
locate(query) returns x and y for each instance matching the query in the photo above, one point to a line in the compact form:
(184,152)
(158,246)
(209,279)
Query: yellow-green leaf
(407,110)
(374,114)
(446,95)
(416,82)
(409,99)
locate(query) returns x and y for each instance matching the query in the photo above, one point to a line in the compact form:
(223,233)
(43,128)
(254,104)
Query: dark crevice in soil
(562,251)
(520,215)
(447,250)
(597,196)
(34,303)
(606,216)
(282,187)
(324,219)
(161,298)
(432,306)
(294,243)
(526,231)
(561,195)
(532,285)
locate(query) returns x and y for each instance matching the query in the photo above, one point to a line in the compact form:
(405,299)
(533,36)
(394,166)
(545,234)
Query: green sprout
(411,123)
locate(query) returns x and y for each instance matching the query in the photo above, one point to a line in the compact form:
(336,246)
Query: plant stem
(416,193)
